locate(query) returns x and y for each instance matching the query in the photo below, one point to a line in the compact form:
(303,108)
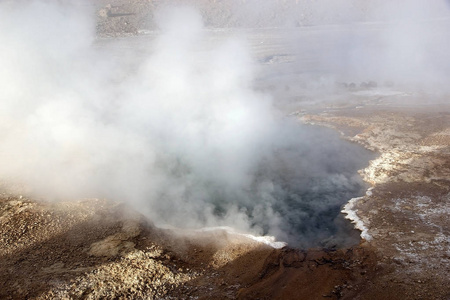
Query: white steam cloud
(402,43)
(181,133)
(168,135)
(75,125)
(407,43)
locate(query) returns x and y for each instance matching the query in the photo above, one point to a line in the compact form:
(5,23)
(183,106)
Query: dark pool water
(310,174)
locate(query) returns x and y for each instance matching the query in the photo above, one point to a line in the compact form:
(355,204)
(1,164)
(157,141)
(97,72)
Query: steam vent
(225,149)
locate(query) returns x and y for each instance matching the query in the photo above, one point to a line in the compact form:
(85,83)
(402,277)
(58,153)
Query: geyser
(298,188)
(178,131)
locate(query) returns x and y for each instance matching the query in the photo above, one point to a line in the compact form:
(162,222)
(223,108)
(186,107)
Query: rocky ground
(404,216)
(121,18)
(98,249)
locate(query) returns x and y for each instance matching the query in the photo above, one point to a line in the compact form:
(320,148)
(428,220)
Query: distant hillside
(121,17)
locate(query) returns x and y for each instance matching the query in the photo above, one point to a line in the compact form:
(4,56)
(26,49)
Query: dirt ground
(404,216)
(98,249)
(122,18)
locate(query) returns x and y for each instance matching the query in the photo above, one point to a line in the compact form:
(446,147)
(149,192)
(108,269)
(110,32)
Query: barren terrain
(404,216)
(94,248)
(100,249)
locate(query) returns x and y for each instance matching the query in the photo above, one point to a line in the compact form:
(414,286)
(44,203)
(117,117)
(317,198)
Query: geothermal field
(227,149)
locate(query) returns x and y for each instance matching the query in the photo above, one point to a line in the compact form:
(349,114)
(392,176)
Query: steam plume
(180,133)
